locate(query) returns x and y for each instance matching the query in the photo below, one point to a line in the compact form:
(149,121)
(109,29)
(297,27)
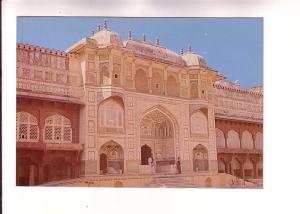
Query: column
(199,86)
(31,175)
(41,173)
(110,68)
(165,81)
(133,74)
(243,170)
(226,136)
(150,79)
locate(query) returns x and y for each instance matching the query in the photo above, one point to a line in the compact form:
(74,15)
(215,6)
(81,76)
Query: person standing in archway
(150,160)
(153,165)
(178,166)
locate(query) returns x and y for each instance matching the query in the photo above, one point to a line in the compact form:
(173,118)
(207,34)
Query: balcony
(49,146)
(240,151)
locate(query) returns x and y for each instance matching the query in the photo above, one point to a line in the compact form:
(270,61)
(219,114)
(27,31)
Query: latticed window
(57,129)
(27,128)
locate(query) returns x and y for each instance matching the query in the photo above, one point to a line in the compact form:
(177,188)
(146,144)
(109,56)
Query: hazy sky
(232,46)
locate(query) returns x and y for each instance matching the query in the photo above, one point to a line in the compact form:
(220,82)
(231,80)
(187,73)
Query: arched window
(157,83)
(247,141)
(57,129)
(27,128)
(104,76)
(220,138)
(198,123)
(200,158)
(194,90)
(111,115)
(172,88)
(141,81)
(233,140)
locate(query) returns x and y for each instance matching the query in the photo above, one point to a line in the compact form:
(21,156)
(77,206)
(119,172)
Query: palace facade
(94,114)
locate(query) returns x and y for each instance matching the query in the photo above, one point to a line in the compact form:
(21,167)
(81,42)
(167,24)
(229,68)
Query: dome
(106,38)
(154,52)
(193,60)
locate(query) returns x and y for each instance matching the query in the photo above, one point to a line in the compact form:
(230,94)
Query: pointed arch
(247,140)
(199,124)
(111,115)
(141,81)
(157,83)
(172,87)
(114,158)
(200,158)
(233,139)
(104,76)
(220,138)
(164,111)
(159,129)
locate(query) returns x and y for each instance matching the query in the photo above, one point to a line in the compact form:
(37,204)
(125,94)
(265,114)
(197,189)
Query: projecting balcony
(240,151)
(49,146)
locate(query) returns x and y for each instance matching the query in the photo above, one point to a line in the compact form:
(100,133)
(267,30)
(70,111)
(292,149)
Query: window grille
(27,128)
(57,129)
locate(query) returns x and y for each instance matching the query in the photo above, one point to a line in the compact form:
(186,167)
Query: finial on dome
(144,37)
(129,34)
(105,24)
(237,83)
(157,40)
(181,51)
(99,27)
(190,48)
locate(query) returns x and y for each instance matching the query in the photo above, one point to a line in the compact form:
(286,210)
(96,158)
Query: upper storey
(47,73)
(231,102)
(105,38)
(136,65)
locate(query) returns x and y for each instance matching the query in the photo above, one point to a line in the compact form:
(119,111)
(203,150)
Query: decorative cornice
(41,49)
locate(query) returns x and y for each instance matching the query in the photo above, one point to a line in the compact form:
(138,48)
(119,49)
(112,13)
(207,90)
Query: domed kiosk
(194,60)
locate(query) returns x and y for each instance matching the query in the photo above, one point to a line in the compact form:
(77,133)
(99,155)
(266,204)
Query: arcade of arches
(239,147)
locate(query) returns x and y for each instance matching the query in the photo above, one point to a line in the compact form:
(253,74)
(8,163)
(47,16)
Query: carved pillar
(240,138)
(253,136)
(165,87)
(226,137)
(227,161)
(150,79)
(41,173)
(122,71)
(242,160)
(31,174)
(179,84)
(199,86)
(133,75)
(110,66)
(165,80)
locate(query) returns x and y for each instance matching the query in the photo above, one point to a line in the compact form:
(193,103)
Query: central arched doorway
(200,158)
(157,133)
(103,163)
(111,158)
(146,152)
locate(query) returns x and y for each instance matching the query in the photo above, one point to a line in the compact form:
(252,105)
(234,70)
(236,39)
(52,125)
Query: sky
(231,46)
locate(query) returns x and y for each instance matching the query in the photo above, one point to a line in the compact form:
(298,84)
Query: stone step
(170,181)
